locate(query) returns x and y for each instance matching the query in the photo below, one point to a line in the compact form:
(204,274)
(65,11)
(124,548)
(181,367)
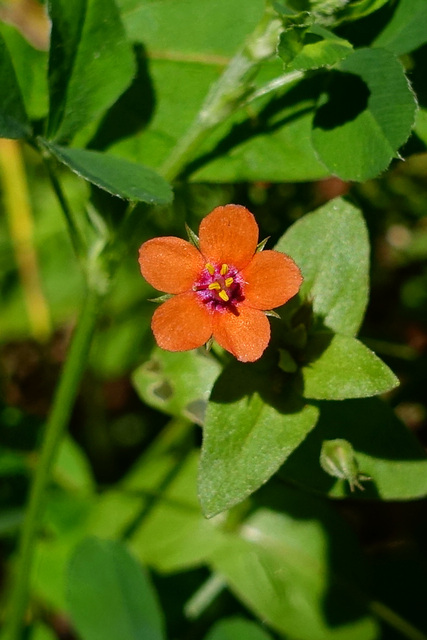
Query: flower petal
(229,235)
(271,278)
(245,335)
(182,323)
(170,264)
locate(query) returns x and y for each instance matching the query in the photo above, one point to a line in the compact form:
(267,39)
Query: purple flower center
(220,287)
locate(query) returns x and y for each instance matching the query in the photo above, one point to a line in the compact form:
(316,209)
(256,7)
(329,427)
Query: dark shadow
(133,110)
(271,118)
(275,387)
(347,96)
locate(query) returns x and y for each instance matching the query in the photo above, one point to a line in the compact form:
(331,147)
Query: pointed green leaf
(253,422)
(365,114)
(288,567)
(110,596)
(331,247)
(91,63)
(385,450)
(237,629)
(407,29)
(13,118)
(341,367)
(119,177)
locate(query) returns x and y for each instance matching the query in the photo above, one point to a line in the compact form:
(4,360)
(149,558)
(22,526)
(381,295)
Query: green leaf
(72,469)
(188,46)
(91,63)
(42,632)
(364,116)
(253,422)
(321,48)
(13,118)
(110,596)
(174,535)
(341,367)
(237,629)
(119,177)
(384,448)
(331,247)
(30,66)
(407,29)
(359,9)
(289,567)
(177,383)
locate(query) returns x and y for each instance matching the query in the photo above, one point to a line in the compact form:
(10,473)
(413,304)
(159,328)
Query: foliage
(230,481)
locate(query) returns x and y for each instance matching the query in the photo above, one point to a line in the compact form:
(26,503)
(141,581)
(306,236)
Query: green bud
(338,459)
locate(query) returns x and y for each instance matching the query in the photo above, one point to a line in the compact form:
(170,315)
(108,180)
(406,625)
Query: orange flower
(222,290)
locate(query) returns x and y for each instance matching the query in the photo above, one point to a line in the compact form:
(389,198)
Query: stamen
(210,268)
(214,286)
(229,282)
(223,296)
(224,269)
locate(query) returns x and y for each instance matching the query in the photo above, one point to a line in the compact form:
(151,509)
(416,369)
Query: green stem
(75,235)
(397,622)
(63,402)
(228,94)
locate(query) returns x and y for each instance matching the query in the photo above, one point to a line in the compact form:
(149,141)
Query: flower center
(220,287)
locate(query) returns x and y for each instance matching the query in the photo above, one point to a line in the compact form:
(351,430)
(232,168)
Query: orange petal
(182,323)
(271,278)
(170,264)
(229,235)
(245,335)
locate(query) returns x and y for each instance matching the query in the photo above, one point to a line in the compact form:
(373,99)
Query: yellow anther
(210,268)
(224,269)
(229,282)
(223,296)
(214,286)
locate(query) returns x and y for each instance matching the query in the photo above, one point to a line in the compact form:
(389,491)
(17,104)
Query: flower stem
(63,402)
(396,621)
(229,93)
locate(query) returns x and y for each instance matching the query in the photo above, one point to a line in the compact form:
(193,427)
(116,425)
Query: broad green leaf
(189,46)
(385,450)
(174,535)
(407,29)
(331,247)
(177,383)
(13,118)
(341,367)
(365,114)
(322,48)
(91,63)
(237,629)
(30,66)
(119,177)
(189,27)
(110,596)
(289,567)
(253,422)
